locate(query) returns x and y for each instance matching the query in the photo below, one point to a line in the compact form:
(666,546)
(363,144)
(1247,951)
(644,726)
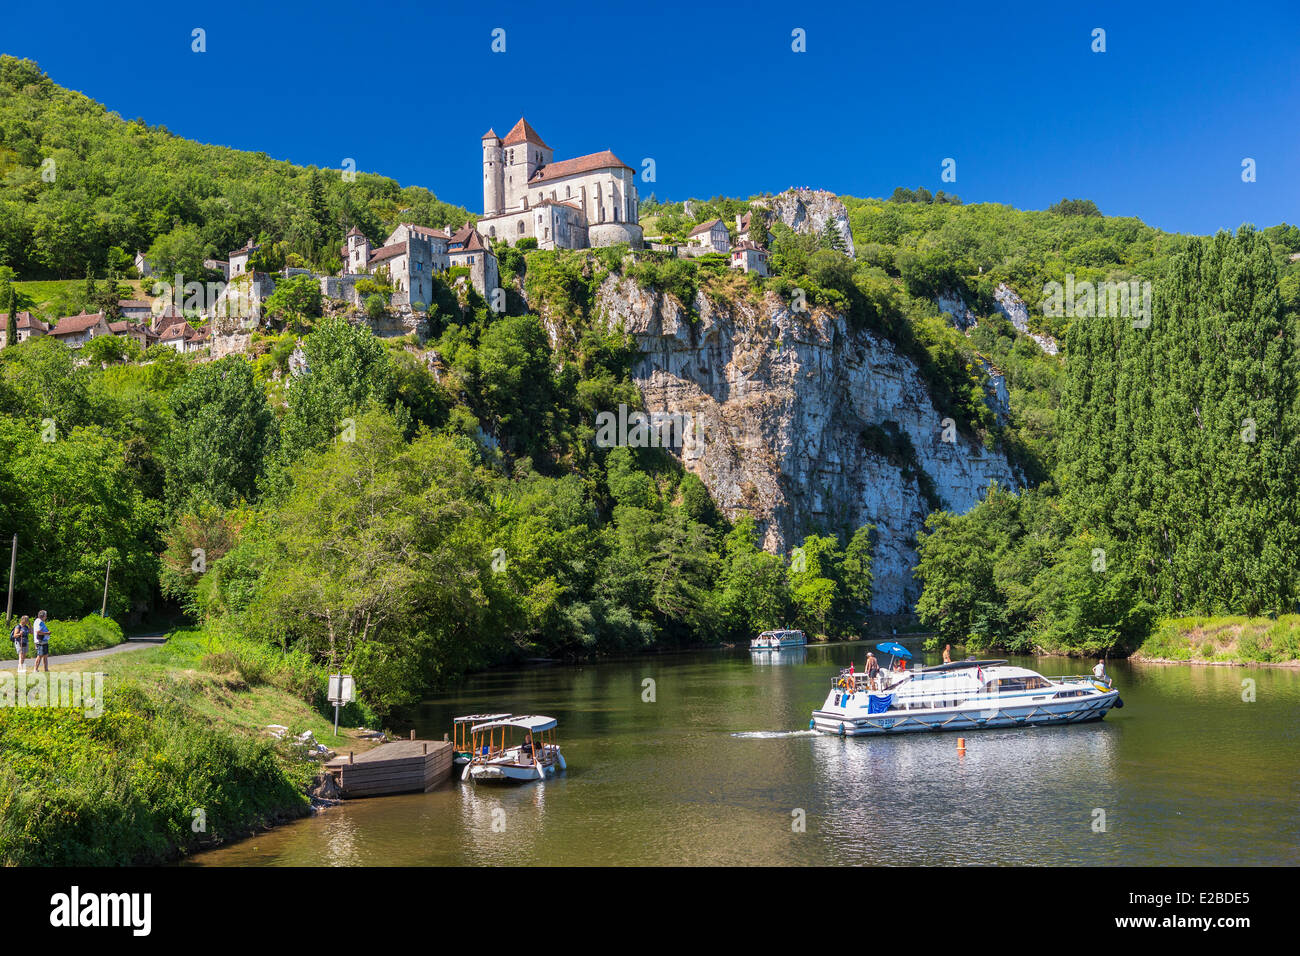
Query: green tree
(754,591)
(178,252)
(376,562)
(348,369)
(294,301)
(222,432)
(77,507)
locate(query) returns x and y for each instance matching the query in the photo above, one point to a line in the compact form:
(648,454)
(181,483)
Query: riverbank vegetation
(178,760)
(1224,640)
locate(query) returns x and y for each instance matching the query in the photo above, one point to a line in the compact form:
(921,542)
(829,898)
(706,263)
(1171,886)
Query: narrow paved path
(137,643)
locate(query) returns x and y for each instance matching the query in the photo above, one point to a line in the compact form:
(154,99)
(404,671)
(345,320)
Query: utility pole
(13,564)
(104,607)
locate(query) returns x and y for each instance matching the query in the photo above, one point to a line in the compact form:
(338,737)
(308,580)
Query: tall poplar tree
(1180,437)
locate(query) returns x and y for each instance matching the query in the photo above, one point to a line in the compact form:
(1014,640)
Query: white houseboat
(494,757)
(963,695)
(778,640)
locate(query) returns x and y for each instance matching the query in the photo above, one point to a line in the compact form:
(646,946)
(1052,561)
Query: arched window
(492,231)
(521,227)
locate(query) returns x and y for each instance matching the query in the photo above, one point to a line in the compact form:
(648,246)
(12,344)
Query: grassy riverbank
(182,730)
(1224,640)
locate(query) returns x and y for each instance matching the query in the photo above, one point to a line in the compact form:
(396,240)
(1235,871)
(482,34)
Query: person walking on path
(21,632)
(42,642)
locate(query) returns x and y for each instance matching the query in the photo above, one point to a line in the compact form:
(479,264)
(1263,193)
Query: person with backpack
(21,632)
(42,642)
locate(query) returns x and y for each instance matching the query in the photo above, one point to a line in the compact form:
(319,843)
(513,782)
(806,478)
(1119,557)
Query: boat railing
(883,681)
(1083,679)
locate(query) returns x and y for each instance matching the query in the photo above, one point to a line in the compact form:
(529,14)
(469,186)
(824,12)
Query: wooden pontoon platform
(404,766)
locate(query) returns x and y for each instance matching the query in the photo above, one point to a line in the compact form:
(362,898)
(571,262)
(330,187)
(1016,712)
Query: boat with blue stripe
(963,695)
(778,640)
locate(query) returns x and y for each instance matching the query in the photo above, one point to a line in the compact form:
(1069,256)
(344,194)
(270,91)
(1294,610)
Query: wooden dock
(404,766)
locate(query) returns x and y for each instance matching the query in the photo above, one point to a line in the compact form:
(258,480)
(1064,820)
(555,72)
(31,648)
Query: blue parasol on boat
(894,650)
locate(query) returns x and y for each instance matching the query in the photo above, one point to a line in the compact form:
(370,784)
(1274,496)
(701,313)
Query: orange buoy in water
(961,745)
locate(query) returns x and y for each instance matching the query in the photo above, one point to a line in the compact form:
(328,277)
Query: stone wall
(612,233)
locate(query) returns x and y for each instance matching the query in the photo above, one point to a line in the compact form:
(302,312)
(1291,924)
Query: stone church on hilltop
(571,204)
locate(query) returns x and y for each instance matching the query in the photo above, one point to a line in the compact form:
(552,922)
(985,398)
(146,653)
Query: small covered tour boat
(963,695)
(777,640)
(493,756)
(460,735)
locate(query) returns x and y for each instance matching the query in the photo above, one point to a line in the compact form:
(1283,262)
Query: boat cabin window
(1017,683)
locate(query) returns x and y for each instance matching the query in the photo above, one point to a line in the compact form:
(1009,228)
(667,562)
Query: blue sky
(1156,127)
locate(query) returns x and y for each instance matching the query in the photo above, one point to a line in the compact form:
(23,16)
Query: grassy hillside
(81,187)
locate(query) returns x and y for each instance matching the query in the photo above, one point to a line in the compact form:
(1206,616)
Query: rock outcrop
(803,422)
(1013,307)
(958,312)
(807,210)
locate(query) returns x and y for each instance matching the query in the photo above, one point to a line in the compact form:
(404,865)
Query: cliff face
(792,411)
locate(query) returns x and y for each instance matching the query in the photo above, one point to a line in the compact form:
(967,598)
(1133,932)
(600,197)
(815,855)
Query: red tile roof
(491,134)
(73,324)
(523,133)
(177,330)
(25,321)
(132,304)
(468,239)
(582,164)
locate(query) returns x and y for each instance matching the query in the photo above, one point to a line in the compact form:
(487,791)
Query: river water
(720,769)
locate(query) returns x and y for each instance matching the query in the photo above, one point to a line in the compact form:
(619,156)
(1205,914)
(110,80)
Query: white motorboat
(963,695)
(494,758)
(461,745)
(778,640)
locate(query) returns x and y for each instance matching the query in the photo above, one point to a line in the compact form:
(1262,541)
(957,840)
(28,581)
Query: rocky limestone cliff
(1013,307)
(806,211)
(786,405)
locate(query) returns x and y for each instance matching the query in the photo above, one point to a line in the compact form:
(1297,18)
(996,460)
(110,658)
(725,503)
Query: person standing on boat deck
(873,668)
(947,653)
